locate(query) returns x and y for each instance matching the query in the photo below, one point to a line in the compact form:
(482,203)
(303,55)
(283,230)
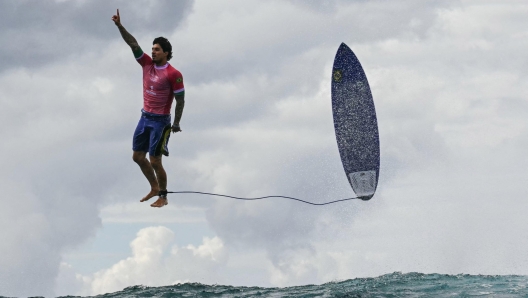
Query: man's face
(157,53)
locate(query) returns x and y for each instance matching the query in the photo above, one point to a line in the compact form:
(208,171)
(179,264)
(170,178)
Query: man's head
(161,50)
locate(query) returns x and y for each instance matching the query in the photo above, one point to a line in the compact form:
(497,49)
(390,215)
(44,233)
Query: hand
(176,128)
(117,18)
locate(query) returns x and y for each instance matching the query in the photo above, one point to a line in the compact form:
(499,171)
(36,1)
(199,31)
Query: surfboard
(355,123)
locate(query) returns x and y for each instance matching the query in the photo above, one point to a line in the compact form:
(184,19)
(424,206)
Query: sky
(449,81)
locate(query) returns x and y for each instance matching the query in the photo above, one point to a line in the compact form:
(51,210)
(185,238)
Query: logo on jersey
(151,91)
(179,80)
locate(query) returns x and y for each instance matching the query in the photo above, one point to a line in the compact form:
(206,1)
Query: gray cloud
(315,174)
(38,33)
(257,45)
(54,74)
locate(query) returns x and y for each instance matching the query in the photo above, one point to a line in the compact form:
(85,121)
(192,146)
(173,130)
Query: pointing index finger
(118,12)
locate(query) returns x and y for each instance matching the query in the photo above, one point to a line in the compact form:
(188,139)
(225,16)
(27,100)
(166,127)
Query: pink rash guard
(160,83)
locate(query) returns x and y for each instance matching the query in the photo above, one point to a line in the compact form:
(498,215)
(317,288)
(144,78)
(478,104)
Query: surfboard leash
(259,198)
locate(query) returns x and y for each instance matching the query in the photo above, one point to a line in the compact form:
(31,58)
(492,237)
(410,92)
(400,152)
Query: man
(161,82)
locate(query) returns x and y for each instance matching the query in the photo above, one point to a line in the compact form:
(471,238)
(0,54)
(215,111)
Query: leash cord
(259,198)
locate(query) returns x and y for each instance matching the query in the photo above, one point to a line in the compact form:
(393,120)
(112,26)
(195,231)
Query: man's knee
(138,157)
(155,161)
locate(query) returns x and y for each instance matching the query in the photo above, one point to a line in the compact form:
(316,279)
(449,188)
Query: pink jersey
(160,83)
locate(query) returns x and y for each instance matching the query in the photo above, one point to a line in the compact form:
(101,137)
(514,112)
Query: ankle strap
(162,193)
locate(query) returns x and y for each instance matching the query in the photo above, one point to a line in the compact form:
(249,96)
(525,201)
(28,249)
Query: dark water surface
(390,285)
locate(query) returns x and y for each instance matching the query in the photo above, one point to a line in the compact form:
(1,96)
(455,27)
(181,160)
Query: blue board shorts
(152,134)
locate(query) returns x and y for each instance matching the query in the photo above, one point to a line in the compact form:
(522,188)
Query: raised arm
(127,37)
(180,103)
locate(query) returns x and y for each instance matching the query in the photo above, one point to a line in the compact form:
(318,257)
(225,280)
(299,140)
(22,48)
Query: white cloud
(155,262)
(135,213)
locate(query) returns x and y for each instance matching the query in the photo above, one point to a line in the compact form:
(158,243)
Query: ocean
(389,285)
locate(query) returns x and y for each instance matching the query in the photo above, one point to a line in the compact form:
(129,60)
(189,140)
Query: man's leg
(141,159)
(155,161)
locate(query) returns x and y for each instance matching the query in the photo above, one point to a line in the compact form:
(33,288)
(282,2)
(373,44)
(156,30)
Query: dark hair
(165,45)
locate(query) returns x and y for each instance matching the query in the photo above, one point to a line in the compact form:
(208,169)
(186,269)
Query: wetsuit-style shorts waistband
(153,116)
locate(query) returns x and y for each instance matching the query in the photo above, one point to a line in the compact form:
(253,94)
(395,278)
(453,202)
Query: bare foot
(160,202)
(152,193)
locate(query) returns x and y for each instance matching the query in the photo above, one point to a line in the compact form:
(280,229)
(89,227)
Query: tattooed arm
(180,103)
(129,39)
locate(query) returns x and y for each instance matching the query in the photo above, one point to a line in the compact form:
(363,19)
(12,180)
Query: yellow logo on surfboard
(338,75)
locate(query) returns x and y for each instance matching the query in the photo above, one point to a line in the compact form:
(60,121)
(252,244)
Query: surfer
(161,83)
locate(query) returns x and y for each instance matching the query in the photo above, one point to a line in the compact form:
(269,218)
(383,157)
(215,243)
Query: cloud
(259,44)
(56,84)
(444,107)
(40,33)
(135,213)
(155,262)
(35,234)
